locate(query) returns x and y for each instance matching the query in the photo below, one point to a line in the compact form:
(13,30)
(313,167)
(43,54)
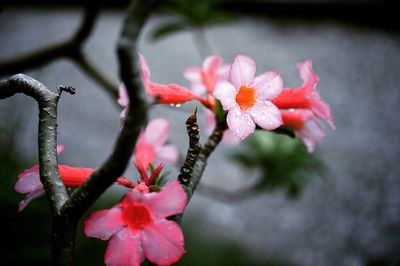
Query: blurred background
(263,202)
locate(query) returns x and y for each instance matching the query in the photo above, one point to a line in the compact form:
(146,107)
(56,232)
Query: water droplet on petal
(267,102)
(292,110)
(237,131)
(271,123)
(248,122)
(238,113)
(178,105)
(172,105)
(263,116)
(254,114)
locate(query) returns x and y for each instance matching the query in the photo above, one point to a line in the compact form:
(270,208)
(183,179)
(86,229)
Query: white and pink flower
(151,147)
(248,99)
(203,80)
(137,227)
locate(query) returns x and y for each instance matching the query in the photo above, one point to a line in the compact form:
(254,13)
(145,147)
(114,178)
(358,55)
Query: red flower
(137,227)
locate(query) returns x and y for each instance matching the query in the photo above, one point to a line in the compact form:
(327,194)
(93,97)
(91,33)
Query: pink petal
(123,98)
(223,72)
(60,148)
(170,93)
(29,180)
(312,133)
(167,154)
(171,200)
(268,85)
(144,68)
(212,63)
(226,93)
(243,71)
(145,153)
(103,224)
(156,131)
(193,74)
(163,242)
(321,109)
(124,248)
(229,138)
(266,115)
(310,79)
(240,123)
(29,197)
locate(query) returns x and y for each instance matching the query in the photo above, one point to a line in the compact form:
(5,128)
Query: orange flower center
(136,216)
(246,97)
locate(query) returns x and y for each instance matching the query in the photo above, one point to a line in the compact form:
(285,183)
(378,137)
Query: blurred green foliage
(189,15)
(283,162)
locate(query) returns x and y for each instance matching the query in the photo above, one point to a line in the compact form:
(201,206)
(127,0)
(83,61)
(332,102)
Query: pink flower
(228,137)
(248,98)
(29,181)
(305,96)
(203,80)
(123,100)
(305,125)
(168,93)
(137,227)
(150,147)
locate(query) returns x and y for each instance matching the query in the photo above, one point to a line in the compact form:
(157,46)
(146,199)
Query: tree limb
(83,197)
(47,101)
(71,49)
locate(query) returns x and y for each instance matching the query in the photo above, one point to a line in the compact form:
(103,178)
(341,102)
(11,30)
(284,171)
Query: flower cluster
(249,100)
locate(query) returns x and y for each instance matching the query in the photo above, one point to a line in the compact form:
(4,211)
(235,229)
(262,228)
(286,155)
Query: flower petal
(268,85)
(167,154)
(312,133)
(124,248)
(29,197)
(243,71)
(123,98)
(156,131)
(171,200)
(74,176)
(163,242)
(212,63)
(266,115)
(103,224)
(240,123)
(28,180)
(310,79)
(193,74)
(144,67)
(321,109)
(226,93)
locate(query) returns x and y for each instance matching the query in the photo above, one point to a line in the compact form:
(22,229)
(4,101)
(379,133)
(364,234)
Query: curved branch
(48,101)
(47,54)
(83,197)
(71,48)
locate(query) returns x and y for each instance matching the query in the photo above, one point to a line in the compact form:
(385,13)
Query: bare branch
(83,197)
(48,101)
(71,48)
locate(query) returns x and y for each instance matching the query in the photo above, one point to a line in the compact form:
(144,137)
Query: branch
(47,101)
(193,151)
(83,197)
(71,48)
